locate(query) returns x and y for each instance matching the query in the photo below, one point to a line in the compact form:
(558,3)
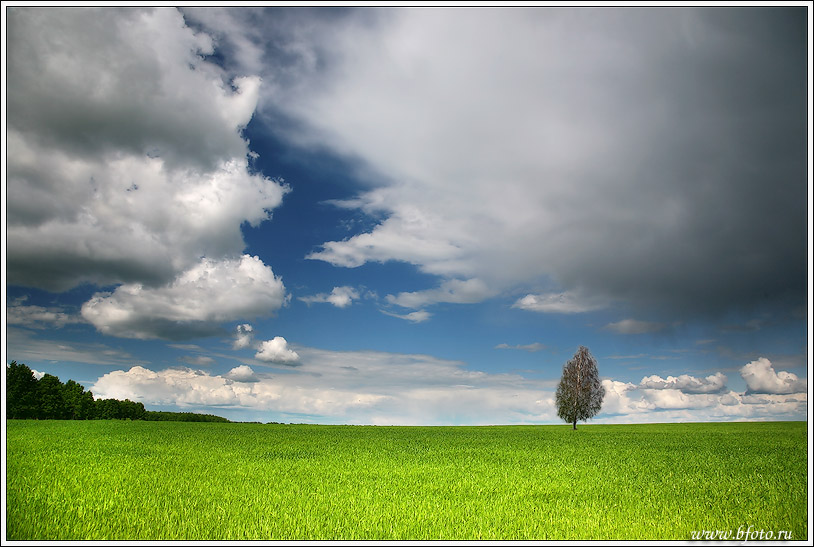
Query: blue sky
(411,216)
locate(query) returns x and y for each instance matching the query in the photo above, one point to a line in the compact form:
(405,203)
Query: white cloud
(618,399)
(634,326)
(210,293)
(243,336)
(626,402)
(536,346)
(414,317)
(761,377)
(667,399)
(350,387)
(688,384)
(123,171)
(178,386)
(563,302)
(389,388)
(242,373)
(276,350)
(341,297)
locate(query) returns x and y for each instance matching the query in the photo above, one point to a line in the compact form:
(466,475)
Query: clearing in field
(121,480)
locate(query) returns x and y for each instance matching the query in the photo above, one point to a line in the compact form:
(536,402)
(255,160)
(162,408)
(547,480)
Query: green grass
(117,480)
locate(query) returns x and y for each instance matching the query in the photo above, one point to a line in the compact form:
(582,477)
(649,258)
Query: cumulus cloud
(125,158)
(178,386)
(242,373)
(243,336)
(276,350)
(563,302)
(634,326)
(619,399)
(609,169)
(761,378)
(392,388)
(670,399)
(651,401)
(341,297)
(351,387)
(688,384)
(195,304)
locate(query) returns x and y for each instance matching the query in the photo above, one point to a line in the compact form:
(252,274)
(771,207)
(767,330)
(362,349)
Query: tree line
(48,398)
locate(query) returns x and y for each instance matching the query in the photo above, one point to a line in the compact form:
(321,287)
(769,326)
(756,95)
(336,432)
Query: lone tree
(580,394)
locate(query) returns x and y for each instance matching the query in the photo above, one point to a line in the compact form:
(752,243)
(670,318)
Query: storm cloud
(649,157)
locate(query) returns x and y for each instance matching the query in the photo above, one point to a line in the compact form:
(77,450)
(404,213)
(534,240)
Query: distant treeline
(161,416)
(49,399)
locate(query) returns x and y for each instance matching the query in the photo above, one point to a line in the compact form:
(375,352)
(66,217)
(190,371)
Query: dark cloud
(655,157)
(125,156)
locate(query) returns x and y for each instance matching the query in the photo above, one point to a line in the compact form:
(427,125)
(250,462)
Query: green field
(121,480)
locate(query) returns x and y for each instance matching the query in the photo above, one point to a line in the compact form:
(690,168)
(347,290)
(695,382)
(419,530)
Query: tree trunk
(575,425)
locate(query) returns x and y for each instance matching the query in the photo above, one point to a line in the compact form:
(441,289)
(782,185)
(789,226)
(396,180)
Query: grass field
(119,480)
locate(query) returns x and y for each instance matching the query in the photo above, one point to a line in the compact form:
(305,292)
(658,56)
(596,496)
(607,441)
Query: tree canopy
(579,393)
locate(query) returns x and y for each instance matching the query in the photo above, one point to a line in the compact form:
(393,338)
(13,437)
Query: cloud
(276,350)
(626,402)
(125,158)
(761,377)
(347,387)
(564,302)
(574,148)
(619,400)
(672,399)
(634,326)
(242,373)
(243,336)
(643,356)
(178,386)
(412,389)
(341,297)
(753,325)
(27,346)
(414,317)
(198,360)
(40,317)
(456,291)
(769,395)
(195,304)
(536,346)
(688,384)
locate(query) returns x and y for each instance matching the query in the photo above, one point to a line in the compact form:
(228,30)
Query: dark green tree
(51,402)
(21,392)
(106,409)
(114,409)
(129,410)
(580,393)
(78,402)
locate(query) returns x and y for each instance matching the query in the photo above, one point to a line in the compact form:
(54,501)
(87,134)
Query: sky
(411,216)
